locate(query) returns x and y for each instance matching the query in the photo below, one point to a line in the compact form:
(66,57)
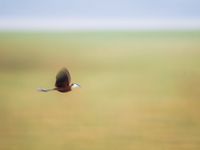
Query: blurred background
(137,62)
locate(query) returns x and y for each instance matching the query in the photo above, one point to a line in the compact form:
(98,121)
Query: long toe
(42,90)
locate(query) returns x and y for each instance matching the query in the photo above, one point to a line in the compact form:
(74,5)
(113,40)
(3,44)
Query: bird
(62,84)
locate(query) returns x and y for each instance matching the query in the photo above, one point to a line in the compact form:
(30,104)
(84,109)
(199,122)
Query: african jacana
(62,84)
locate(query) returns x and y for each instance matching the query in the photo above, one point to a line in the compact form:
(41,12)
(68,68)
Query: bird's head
(75,85)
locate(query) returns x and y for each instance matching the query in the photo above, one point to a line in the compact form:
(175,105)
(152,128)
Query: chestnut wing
(63,78)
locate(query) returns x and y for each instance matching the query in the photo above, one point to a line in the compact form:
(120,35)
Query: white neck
(75,85)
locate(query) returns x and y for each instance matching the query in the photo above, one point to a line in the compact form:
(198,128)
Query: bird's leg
(45,90)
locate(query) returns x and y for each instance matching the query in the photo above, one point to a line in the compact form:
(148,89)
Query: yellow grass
(140,90)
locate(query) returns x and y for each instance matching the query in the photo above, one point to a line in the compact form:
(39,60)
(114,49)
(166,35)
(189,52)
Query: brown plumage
(62,84)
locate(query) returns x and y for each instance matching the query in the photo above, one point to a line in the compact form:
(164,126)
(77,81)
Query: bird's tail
(44,90)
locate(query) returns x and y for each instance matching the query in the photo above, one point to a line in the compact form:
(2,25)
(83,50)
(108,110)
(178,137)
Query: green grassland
(140,91)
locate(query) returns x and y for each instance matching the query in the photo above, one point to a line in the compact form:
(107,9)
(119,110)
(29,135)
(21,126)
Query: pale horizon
(97,24)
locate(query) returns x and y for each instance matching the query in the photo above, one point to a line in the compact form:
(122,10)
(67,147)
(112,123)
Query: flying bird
(62,84)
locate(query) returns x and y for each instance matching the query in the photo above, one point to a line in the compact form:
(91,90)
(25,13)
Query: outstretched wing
(63,78)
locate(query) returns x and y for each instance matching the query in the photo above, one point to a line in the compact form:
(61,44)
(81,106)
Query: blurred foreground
(140,90)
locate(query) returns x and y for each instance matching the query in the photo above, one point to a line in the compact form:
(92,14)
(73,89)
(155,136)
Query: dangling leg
(45,90)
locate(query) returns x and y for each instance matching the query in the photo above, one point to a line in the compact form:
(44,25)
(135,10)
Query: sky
(90,13)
